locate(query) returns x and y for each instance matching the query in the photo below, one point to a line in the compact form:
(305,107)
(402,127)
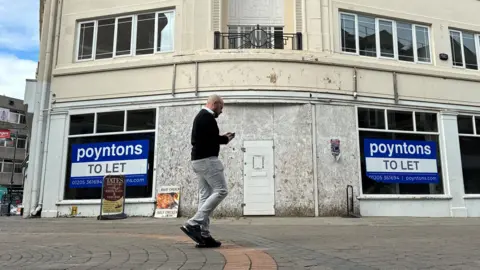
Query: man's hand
(229,135)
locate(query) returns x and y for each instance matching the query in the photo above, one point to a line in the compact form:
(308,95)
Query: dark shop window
(81,124)
(400,120)
(470,153)
(426,122)
(465,124)
(141,120)
(110,121)
(371,118)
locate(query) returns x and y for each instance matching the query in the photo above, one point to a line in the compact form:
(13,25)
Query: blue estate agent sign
(395,161)
(91,162)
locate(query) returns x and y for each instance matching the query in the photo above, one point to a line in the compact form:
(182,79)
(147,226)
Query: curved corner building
(376,100)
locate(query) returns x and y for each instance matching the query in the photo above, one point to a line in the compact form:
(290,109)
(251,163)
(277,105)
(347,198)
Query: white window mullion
(94,46)
(414,121)
(357,39)
(464,61)
(477,49)
(133,45)
(414,41)
(395,40)
(474,125)
(155,34)
(115,39)
(377,37)
(386,119)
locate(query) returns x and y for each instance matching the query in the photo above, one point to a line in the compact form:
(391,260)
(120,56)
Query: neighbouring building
(14,134)
(322,94)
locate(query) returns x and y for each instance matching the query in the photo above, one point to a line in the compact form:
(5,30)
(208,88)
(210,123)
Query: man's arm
(214,133)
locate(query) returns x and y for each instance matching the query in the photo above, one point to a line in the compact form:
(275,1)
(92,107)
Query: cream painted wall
(318,68)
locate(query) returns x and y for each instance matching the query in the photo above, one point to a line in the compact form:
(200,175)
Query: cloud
(13,73)
(19,25)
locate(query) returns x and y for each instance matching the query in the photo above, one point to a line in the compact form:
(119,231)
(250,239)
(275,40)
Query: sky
(19,44)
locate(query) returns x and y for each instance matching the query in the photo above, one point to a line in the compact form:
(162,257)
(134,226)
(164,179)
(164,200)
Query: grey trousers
(212,190)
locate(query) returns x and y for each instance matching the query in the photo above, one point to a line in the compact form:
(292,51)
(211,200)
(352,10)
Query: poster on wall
(91,162)
(398,161)
(112,203)
(168,200)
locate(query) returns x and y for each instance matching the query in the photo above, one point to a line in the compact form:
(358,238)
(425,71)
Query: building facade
(322,95)
(14,135)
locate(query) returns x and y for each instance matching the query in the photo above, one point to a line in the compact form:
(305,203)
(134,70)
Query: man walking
(208,168)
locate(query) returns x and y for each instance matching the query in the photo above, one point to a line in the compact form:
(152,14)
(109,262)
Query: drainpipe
(314,157)
(49,110)
(40,109)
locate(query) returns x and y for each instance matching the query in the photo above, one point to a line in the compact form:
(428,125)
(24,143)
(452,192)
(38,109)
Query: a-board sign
(168,200)
(112,204)
(401,161)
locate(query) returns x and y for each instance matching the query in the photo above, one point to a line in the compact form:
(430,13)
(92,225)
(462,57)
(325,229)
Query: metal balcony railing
(258,38)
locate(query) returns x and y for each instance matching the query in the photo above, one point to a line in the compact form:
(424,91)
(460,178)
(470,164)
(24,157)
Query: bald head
(215,103)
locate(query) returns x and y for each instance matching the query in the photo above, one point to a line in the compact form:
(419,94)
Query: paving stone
(260,243)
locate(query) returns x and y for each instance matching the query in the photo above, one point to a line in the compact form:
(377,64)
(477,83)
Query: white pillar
(452,164)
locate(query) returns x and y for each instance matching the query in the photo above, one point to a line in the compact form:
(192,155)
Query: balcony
(257,38)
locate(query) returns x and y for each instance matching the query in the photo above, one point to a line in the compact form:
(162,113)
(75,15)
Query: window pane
(145,33)
(426,122)
(470,152)
(470,51)
(348,33)
(124,36)
(465,124)
(81,124)
(386,39)
(456,49)
(477,124)
(141,120)
(85,41)
(370,186)
(7,167)
(105,33)
(371,118)
(405,42)
(18,167)
(110,121)
(399,120)
(22,119)
(423,44)
(366,35)
(21,143)
(165,32)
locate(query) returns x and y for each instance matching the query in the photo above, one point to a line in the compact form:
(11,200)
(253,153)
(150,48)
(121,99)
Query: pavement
(248,243)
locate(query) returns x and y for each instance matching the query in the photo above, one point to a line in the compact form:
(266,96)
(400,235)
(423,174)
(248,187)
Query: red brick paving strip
(239,258)
(236,257)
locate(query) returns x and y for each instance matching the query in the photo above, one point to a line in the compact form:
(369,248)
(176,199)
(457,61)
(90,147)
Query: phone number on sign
(385,177)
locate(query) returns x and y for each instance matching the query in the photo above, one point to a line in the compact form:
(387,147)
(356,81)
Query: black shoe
(194,233)
(209,242)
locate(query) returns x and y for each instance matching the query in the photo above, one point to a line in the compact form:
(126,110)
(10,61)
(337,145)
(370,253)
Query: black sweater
(205,136)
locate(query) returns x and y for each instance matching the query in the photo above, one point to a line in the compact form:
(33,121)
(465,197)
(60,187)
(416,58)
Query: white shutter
(216,15)
(298,16)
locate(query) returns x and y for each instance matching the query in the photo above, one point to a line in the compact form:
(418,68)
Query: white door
(258,181)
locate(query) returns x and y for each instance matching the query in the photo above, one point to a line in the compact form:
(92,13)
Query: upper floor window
(465,49)
(383,38)
(138,34)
